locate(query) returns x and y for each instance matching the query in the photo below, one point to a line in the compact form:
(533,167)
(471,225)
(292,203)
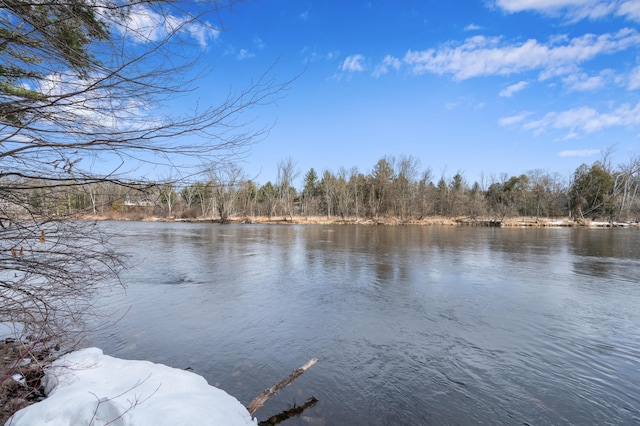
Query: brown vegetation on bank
(519,221)
(21,372)
(428,221)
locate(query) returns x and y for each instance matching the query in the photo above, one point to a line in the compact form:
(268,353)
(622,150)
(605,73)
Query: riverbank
(510,222)
(20,375)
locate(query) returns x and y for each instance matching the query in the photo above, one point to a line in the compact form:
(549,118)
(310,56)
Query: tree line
(393,188)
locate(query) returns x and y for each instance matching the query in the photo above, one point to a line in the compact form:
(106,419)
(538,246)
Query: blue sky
(478,87)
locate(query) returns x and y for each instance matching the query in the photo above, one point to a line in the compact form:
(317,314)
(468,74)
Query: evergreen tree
(591,190)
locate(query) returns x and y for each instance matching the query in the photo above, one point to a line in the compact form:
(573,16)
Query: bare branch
(259,400)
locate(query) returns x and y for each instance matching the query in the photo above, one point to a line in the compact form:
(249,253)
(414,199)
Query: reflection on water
(412,325)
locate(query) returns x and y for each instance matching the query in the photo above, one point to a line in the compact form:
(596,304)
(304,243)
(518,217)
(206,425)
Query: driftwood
(259,400)
(287,414)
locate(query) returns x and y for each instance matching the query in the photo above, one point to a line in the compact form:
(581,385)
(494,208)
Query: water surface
(413,325)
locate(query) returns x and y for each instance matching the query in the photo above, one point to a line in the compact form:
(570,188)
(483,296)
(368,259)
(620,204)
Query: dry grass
(427,221)
(336,220)
(519,221)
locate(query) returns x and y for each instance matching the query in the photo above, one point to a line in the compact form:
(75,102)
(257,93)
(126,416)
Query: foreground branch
(259,400)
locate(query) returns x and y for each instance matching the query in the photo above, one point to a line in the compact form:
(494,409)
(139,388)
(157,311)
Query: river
(413,325)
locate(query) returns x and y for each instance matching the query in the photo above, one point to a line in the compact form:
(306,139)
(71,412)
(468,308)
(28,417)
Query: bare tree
(226,181)
(204,194)
(287,173)
(328,186)
(356,188)
(625,187)
(547,190)
(425,190)
(344,194)
(169,198)
(404,186)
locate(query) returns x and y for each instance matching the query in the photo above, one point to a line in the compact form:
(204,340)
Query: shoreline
(512,222)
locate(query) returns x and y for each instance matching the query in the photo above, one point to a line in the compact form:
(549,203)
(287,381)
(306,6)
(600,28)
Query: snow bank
(87,387)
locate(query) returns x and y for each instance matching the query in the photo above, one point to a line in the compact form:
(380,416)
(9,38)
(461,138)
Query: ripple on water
(412,326)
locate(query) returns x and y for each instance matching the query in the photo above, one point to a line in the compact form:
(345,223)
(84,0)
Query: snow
(87,387)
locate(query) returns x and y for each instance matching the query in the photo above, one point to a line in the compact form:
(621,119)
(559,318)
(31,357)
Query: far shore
(510,222)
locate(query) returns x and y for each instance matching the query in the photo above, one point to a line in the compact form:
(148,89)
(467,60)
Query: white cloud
(574,10)
(144,25)
(353,63)
(388,62)
(510,90)
(584,120)
(202,33)
(634,79)
(258,42)
(486,56)
(515,119)
(472,27)
(87,102)
(581,82)
(310,55)
(558,71)
(598,10)
(333,55)
(579,153)
(630,9)
(539,5)
(465,102)
(244,54)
